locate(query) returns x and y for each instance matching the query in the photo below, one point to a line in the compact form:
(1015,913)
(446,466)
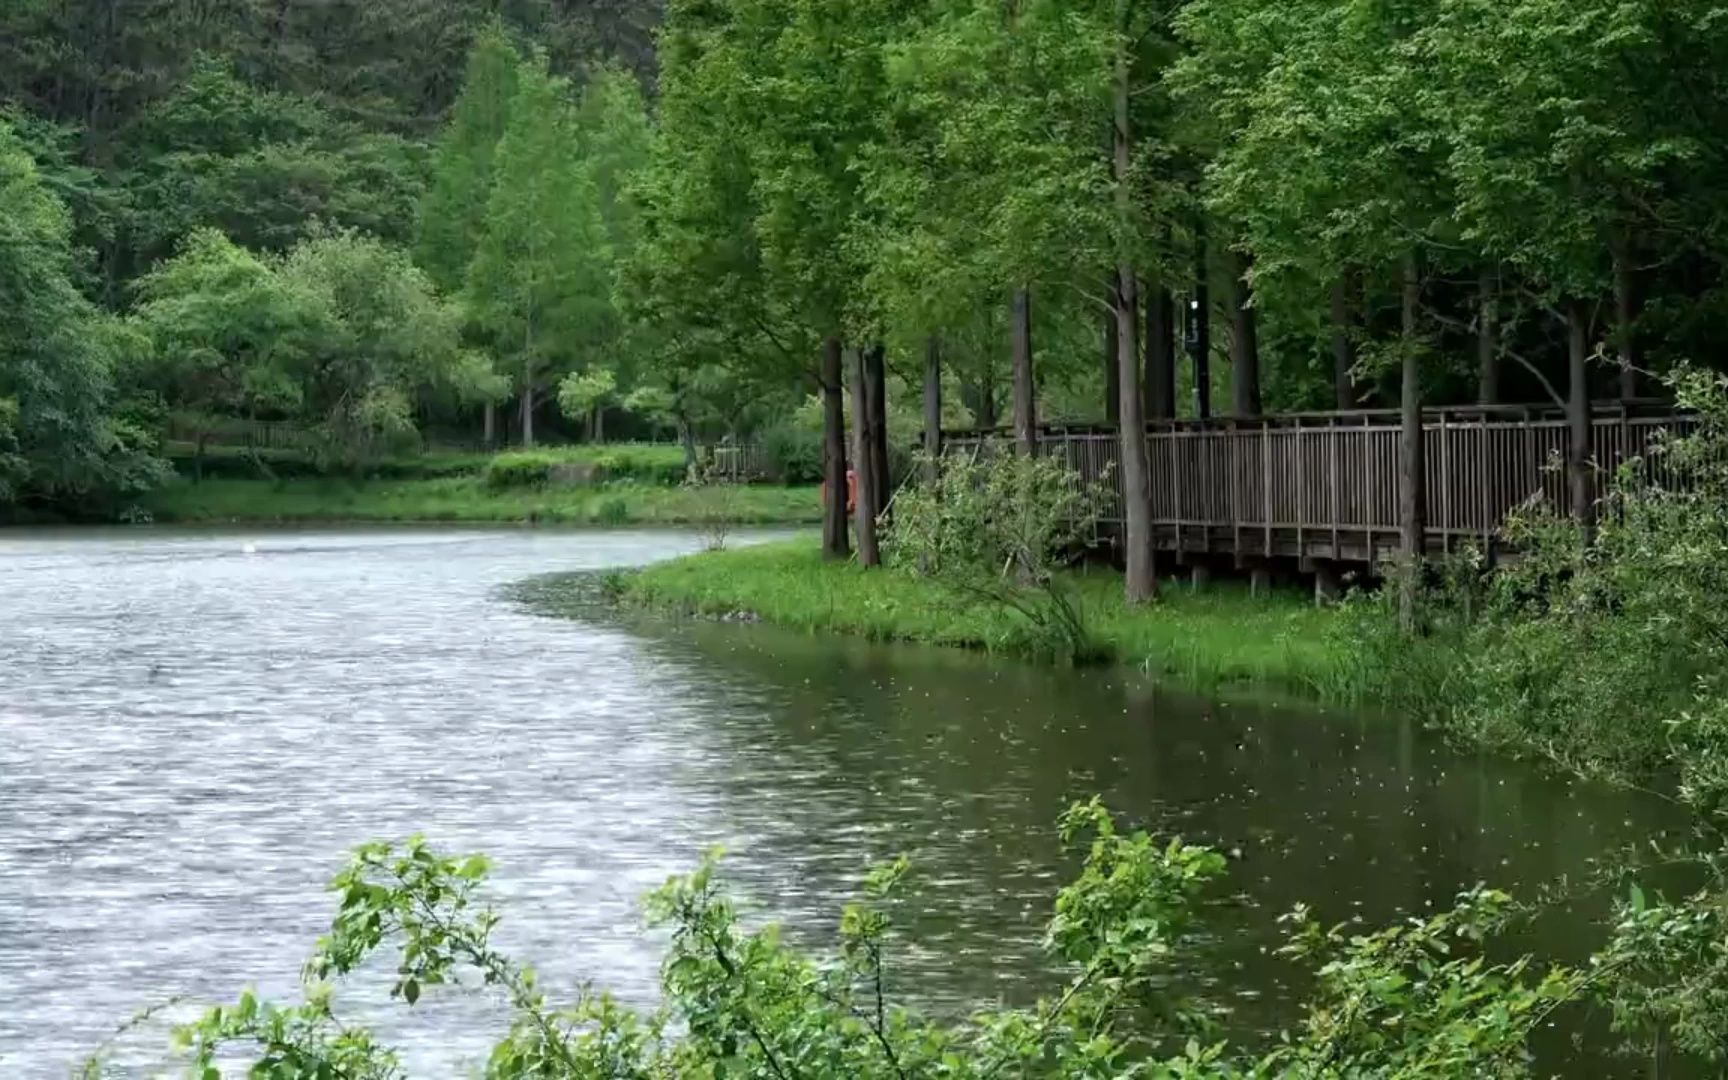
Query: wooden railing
(257,434)
(1325,485)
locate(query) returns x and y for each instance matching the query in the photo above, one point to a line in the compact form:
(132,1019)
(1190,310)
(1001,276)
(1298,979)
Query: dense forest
(394,220)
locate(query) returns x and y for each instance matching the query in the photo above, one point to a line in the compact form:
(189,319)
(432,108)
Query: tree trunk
(1411,475)
(528,382)
(1625,315)
(1139,582)
(932,408)
(1487,337)
(1200,325)
(1160,351)
(1578,452)
(876,370)
(834,540)
(597,425)
(1112,377)
(864,424)
(1244,339)
(1343,344)
(490,422)
(687,439)
(1025,403)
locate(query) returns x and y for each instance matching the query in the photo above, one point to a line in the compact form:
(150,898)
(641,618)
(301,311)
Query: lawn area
(1208,639)
(468,498)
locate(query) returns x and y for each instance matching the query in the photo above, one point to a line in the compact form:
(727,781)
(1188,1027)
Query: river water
(196,726)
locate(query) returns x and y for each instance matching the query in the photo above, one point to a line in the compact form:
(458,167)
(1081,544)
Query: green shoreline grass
(1211,639)
(465,499)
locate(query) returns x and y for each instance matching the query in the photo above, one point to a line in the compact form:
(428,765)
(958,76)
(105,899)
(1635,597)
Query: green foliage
(265,168)
(794,453)
(62,440)
(390,350)
(1413,1001)
(999,526)
(580,393)
(538,283)
(452,213)
(227,333)
(520,470)
(342,333)
(1420,999)
(1603,657)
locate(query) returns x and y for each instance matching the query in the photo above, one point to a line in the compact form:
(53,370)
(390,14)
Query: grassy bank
(468,498)
(1209,639)
(609,484)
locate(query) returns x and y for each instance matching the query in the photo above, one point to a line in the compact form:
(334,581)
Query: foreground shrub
(1417,1001)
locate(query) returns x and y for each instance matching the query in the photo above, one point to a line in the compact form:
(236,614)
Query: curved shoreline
(1208,641)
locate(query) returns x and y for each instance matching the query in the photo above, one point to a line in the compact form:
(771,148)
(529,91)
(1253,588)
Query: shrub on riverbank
(462,499)
(1607,656)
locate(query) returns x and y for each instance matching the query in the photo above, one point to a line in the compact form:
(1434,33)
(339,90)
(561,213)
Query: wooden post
(1259,578)
(834,540)
(1325,583)
(932,407)
(1025,404)
(863,422)
(1199,573)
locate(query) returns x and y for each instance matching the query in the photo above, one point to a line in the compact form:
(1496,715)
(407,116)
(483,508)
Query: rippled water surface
(195,727)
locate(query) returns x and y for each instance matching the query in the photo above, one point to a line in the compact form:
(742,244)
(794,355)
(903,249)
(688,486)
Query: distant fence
(744,463)
(1325,485)
(255,434)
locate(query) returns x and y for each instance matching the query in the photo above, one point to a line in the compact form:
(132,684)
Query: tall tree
(539,281)
(452,215)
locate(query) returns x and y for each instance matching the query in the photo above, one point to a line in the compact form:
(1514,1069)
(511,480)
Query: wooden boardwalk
(1325,485)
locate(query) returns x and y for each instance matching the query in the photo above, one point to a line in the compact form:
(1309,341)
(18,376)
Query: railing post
(1445,486)
(1486,476)
(1332,455)
(1265,482)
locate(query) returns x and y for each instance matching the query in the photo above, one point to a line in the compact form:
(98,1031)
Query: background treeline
(393,219)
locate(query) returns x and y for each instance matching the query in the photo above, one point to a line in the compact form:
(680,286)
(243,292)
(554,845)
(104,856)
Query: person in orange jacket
(851,491)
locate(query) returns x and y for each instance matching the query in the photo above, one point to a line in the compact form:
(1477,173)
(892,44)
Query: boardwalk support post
(1326,588)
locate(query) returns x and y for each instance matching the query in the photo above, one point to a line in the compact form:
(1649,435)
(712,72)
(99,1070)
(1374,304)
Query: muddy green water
(195,726)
